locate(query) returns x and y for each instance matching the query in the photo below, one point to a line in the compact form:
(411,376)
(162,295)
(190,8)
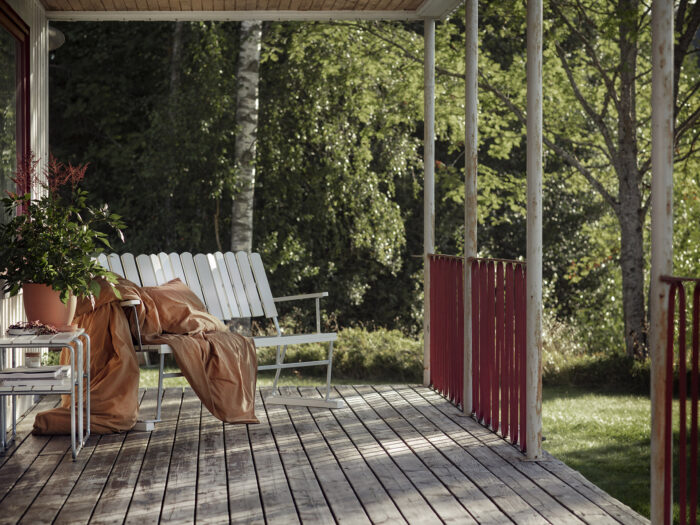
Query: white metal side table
(73,341)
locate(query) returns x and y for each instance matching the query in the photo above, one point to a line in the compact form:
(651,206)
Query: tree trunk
(247,74)
(173,103)
(175,62)
(630,211)
(632,264)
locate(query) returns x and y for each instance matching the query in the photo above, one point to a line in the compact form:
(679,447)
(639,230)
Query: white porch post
(533,401)
(428,183)
(661,232)
(470,173)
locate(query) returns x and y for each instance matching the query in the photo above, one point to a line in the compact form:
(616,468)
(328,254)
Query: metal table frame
(72,341)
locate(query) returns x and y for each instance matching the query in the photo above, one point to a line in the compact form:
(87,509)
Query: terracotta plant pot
(43,303)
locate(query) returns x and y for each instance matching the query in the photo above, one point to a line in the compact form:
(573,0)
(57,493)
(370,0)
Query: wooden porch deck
(394,455)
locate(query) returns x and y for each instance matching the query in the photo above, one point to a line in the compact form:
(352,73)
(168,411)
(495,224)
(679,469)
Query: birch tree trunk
(175,70)
(247,74)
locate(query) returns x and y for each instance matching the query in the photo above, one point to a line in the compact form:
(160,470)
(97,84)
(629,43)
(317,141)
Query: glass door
(14,96)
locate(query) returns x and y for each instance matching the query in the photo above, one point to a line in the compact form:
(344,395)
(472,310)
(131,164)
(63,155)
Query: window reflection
(8,111)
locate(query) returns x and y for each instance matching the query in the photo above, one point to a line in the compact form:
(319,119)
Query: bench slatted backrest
(251,290)
(268,301)
(176,265)
(191,277)
(130,270)
(146,270)
(103,261)
(206,279)
(237,283)
(115,264)
(230,285)
(223,283)
(157,269)
(167,266)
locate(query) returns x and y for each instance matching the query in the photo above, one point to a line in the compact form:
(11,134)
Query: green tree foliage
(338,196)
(597,61)
(339,170)
(161,154)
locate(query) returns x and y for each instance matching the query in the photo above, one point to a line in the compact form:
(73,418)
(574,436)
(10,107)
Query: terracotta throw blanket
(220,366)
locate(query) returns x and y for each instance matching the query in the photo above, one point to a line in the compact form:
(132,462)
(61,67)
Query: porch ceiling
(97,10)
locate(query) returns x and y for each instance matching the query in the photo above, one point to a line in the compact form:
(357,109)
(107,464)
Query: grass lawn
(605,436)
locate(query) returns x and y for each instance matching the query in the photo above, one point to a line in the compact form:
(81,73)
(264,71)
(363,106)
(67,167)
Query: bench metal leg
(161,371)
(147,425)
(328,372)
(327,402)
(279,360)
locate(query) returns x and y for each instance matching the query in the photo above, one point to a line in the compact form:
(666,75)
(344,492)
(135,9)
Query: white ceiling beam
(226,16)
(437,9)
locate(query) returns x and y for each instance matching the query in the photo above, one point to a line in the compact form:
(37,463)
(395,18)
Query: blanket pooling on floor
(221,366)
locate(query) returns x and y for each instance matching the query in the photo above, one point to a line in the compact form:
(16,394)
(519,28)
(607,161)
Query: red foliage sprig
(55,176)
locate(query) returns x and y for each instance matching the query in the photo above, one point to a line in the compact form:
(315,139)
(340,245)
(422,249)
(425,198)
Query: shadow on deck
(393,455)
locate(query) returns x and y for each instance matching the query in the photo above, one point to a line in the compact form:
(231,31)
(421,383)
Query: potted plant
(49,245)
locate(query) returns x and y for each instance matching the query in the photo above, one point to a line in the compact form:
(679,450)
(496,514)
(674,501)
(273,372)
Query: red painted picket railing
(498,339)
(498,346)
(447,326)
(687,449)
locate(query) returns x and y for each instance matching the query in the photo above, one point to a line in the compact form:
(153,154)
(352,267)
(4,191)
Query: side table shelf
(80,419)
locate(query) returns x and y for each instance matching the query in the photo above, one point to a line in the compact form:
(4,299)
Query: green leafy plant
(54,239)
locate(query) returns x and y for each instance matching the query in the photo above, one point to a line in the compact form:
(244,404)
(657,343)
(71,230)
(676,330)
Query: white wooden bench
(231,286)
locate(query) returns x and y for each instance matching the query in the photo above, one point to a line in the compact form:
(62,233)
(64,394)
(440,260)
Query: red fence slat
(521,350)
(476,280)
(447,326)
(498,339)
(484,376)
(687,449)
(511,405)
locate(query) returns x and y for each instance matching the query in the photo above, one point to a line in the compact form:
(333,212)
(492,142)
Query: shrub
(566,361)
(379,355)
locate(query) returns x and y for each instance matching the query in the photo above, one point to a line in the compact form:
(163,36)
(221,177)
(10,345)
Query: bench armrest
(133,302)
(317,295)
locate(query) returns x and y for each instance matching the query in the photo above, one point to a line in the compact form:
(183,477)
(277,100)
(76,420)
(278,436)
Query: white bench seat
(232,286)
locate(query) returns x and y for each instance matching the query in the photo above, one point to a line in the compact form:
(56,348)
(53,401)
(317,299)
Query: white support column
(428,183)
(533,380)
(661,232)
(39,87)
(471,25)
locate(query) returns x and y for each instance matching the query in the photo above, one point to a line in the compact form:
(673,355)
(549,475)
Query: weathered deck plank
(278,504)
(341,498)
(212,489)
(150,487)
(119,489)
(25,425)
(399,486)
(310,502)
(374,498)
(55,492)
(446,457)
(579,505)
(501,469)
(245,506)
(181,486)
(392,455)
(25,490)
(87,490)
(431,487)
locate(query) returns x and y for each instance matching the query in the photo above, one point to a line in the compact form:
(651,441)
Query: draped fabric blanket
(220,366)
